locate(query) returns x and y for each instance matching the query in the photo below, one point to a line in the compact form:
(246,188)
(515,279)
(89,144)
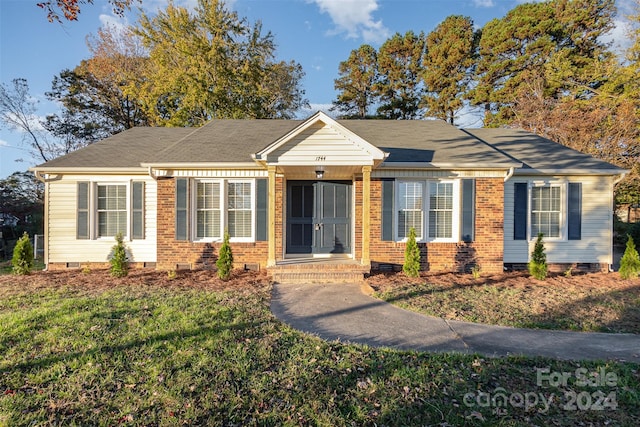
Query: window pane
(440,210)
(208,210)
(239,217)
(545,211)
(240,223)
(410,208)
(112,210)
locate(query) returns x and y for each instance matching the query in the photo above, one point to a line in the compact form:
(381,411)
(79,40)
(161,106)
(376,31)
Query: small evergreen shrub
(225,259)
(22,260)
(538,264)
(411,265)
(119,260)
(630,261)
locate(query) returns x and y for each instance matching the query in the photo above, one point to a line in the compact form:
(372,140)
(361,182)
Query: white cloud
(483,3)
(112,21)
(3,143)
(355,18)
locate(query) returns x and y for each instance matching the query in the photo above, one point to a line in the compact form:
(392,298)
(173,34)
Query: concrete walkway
(343,312)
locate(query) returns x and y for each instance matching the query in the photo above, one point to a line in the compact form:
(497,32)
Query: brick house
(320,189)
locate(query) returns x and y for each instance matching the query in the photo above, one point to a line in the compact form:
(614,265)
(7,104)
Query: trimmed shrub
(630,261)
(22,260)
(225,259)
(119,260)
(411,265)
(538,264)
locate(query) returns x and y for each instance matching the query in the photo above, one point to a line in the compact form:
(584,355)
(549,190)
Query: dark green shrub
(225,259)
(538,264)
(625,229)
(119,260)
(411,265)
(630,262)
(22,260)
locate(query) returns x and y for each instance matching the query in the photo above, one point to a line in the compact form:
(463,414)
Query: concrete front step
(317,272)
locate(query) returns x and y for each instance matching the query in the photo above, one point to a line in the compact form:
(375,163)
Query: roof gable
(320,140)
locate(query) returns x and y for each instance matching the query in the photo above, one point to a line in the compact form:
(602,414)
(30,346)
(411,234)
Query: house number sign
(321,158)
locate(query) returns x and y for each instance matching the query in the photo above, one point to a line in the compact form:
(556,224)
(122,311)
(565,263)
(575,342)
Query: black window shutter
(182,209)
(468,210)
(82,212)
(137,210)
(387,209)
(575,211)
(520,211)
(262,212)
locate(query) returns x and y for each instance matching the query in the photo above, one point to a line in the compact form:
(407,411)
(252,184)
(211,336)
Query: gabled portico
(317,164)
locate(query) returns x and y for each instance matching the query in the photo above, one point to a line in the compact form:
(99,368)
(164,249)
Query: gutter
(509,174)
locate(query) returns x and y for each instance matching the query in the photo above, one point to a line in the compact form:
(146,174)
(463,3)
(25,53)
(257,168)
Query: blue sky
(316,33)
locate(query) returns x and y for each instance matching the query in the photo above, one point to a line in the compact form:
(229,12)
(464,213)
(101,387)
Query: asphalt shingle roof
(419,141)
(538,153)
(126,149)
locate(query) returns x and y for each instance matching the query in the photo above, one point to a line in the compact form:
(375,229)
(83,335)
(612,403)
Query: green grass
(7,268)
(564,306)
(145,355)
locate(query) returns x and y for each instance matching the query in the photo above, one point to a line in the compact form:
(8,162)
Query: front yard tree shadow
(615,312)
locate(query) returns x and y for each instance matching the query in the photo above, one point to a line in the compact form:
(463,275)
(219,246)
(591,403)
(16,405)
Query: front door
(319,217)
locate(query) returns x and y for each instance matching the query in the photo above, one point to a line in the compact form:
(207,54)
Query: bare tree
(17,112)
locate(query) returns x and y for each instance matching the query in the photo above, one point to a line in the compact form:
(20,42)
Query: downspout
(613,204)
(509,174)
(45,218)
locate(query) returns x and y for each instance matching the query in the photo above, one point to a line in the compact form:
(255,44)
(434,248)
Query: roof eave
(81,169)
(586,172)
(457,166)
(191,165)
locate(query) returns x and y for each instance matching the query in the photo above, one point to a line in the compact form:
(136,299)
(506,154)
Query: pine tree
(399,87)
(225,259)
(448,65)
(411,265)
(119,260)
(538,263)
(630,262)
(22,260)
(356,83)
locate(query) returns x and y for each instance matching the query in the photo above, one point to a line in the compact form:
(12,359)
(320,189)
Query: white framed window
(410,208)
(441,202)
(111,209)
(240,209)
(208,213)
(546,210)
(224,204)
(105,209)
(440,210)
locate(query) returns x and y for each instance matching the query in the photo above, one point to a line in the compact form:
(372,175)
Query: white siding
(320,144)
(595,245)
(62,243)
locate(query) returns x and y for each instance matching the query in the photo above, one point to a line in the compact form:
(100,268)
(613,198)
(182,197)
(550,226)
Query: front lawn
(594,302)
(85,349)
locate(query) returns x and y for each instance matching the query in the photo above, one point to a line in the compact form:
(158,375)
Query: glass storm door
(319,217)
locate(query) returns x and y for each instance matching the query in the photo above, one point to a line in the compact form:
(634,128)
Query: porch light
(319,173)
